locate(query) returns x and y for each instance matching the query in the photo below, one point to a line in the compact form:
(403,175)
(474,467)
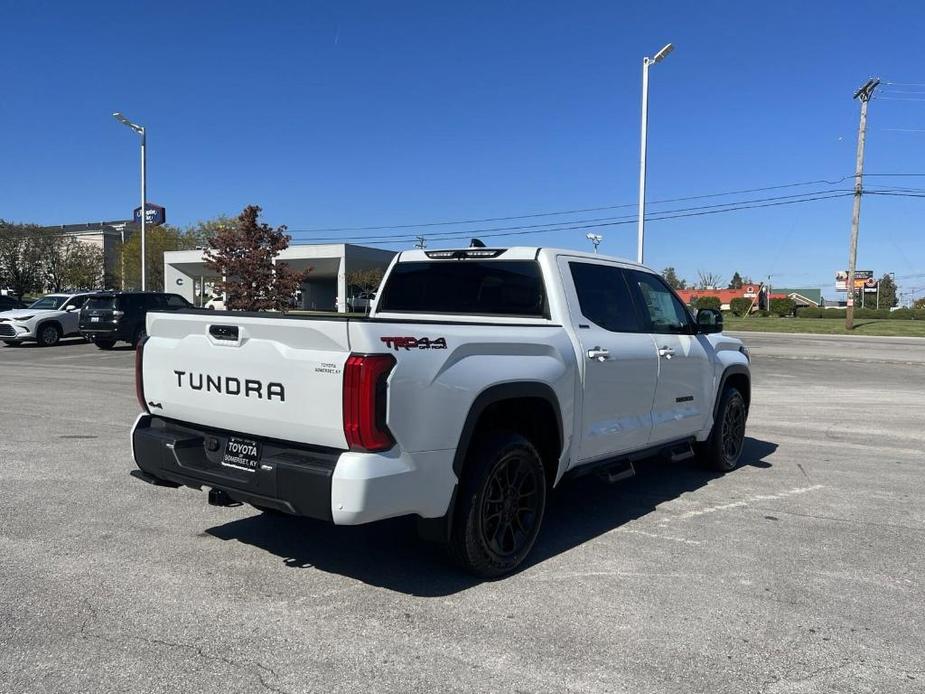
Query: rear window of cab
(479,287)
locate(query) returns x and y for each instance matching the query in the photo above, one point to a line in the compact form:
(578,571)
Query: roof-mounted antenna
(476,243)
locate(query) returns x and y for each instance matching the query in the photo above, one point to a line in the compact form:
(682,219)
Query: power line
(575,211)
(603,221)
(898,98)
(448,236)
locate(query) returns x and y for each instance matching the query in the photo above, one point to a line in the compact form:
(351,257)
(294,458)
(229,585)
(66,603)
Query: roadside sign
(154,214)
(861,280)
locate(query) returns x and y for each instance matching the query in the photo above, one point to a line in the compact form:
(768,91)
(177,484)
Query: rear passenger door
(685,373)
(618,361)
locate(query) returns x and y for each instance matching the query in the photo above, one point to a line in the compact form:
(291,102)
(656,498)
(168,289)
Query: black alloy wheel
(500,505)
(723,449)
(510,505)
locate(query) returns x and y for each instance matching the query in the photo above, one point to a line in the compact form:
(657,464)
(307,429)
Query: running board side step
(620,470)
(680,452)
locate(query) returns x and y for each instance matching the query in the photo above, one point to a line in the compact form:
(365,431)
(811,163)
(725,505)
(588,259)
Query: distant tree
(888,296)
(707,302)
(364,280)
(671,277)
(782,307)
(736,282)
(708,280)
(83,267)
(242,254)
(67,263)
(919,303)
(20,258)
(200,232)
(740,306)
(158,240)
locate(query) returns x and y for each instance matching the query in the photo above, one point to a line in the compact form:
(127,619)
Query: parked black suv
(109,317)
(9,303)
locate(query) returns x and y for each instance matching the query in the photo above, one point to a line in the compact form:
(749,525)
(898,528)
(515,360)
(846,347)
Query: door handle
(666,352)
(598,353)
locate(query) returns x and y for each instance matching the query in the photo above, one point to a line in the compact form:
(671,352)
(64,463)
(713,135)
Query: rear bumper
(346,488)
(94,333)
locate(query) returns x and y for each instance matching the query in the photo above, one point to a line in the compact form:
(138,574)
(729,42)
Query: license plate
(94,319)
(243,454)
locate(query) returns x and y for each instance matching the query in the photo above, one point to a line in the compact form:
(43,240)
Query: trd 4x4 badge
(398,343)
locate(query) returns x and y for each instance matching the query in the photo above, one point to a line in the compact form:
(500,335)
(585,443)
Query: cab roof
(513,253)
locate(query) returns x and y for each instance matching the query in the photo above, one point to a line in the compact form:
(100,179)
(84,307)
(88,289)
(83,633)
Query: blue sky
(350,114)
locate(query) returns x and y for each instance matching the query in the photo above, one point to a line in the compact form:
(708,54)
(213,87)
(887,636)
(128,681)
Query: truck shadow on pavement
(389,555)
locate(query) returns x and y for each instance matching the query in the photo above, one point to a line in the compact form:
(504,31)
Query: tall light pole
(139,129)
(646,62)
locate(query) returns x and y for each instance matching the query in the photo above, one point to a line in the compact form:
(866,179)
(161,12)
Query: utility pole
(864,94)
(421,243)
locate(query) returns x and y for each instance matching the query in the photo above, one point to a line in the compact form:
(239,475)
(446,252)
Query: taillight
(116,315)
(365,402)
(139,382)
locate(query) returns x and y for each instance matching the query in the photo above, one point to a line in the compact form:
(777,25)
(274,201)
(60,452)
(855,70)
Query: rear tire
(722,451)
(49,335)
(499,510)
(104,344)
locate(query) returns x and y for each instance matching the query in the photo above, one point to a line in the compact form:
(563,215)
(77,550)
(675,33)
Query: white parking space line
(740,504)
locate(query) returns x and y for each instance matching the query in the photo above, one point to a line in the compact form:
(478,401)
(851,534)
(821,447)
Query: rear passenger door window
(175,302)
(604,297)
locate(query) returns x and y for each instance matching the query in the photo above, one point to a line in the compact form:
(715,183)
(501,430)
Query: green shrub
(740,306)
(811,312)
(707,302)
(782,307)
(872,313)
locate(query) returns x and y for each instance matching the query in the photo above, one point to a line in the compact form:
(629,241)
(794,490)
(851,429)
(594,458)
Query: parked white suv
(482,378)
(46,321)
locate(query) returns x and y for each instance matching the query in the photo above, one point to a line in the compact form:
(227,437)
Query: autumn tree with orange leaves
(242,252)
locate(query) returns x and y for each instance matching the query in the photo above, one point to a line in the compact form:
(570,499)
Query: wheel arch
(738,376)
(534,397)
(49,321)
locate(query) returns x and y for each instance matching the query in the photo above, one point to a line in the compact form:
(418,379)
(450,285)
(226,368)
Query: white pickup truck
(481,379)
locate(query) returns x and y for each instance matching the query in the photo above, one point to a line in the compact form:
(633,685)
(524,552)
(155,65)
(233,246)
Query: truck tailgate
(275,377)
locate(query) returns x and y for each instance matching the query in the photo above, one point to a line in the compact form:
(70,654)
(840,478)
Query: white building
(185,272)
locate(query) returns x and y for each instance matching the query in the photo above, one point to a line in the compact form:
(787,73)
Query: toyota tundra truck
(481,379)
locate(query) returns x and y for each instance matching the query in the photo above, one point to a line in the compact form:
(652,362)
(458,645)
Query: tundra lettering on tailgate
(398,343)
(229,385)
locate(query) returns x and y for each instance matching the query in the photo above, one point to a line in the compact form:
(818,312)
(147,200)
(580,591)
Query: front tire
(500,507)
(722,451)
(49,335)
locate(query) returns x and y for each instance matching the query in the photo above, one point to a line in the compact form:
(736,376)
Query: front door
(617,359)
(685,372)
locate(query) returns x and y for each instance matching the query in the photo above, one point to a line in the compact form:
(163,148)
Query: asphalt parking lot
(802,571)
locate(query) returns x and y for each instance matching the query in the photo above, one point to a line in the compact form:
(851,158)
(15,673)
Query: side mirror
(71,309)
(709,320)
